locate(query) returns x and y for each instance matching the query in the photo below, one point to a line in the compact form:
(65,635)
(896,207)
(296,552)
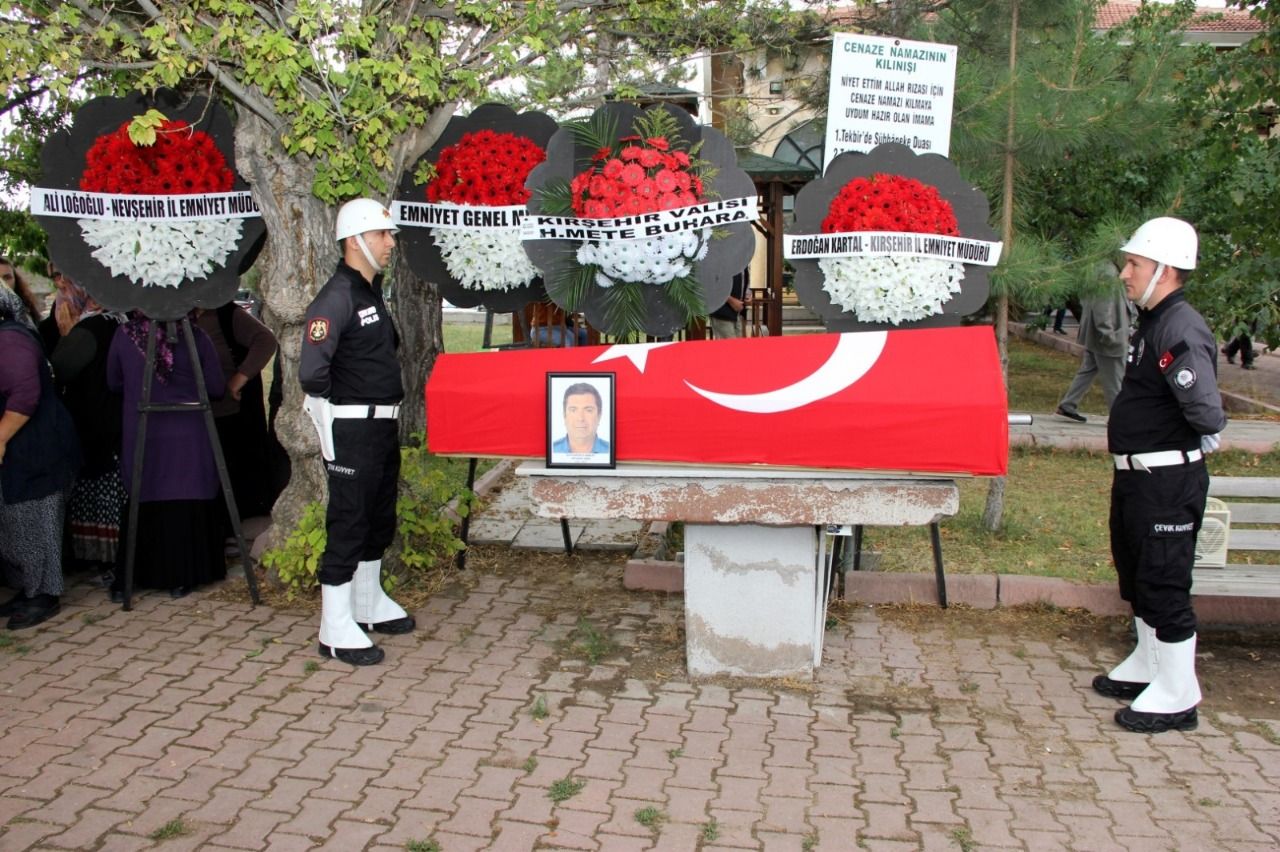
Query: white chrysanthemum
(655,260)
(485,259)
(894,288)
(162,254)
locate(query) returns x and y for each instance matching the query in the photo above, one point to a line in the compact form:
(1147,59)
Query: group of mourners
(71,381)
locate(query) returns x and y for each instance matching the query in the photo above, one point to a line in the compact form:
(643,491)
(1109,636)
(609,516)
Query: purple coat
(178,464)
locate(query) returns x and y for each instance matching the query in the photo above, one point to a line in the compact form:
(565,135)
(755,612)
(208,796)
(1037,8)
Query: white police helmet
(1165,240)
(360,215)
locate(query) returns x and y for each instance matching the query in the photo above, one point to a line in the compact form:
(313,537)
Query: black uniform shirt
(1169,397)
(349,349)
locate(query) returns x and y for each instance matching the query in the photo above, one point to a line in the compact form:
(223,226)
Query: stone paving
(206,724)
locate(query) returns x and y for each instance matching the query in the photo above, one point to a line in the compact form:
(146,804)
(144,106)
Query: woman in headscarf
(69,303)
(80,372)
(179,538)
(11,278)
(38,461)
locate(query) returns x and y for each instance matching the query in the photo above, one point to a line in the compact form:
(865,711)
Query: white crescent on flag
(853,356)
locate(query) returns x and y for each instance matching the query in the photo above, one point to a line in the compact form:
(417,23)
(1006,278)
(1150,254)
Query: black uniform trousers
(1155,517)
(361,516)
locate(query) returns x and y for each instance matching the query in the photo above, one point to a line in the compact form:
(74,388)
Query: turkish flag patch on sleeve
(1167,359)
(318,330)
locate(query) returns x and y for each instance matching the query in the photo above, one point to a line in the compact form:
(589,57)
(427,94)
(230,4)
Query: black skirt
(179,544)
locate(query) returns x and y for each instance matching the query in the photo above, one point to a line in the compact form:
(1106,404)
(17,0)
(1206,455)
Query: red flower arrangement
(182,161)
(485,169)
(889,203)
(643,176)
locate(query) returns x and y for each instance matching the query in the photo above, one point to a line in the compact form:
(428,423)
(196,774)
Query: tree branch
(258,106)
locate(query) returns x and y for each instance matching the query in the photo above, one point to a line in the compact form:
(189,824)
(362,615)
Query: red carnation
(639,178)
(181,161)
(650,158)
(485,168)
(889,203)
(632,174)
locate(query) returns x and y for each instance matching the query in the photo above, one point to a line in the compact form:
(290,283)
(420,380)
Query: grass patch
(530,764)
(711,831)
(539,709)
(9,643)
(591,642)
(1267,732)
(310,667)
(422,846)
(1039,376)
(171,829)
(462,337)
(92,617)
(964,839)
(566,788)
(650,817)
(675,752)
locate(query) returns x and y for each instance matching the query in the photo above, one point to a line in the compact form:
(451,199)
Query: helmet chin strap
(377,267)
(1142,300)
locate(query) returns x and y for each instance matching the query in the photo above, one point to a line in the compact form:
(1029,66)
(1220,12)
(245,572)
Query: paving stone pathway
(541,710)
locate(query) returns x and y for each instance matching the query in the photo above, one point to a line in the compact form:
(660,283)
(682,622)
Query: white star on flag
(636,353)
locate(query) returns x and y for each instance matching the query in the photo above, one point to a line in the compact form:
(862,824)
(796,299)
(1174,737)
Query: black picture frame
(561,388)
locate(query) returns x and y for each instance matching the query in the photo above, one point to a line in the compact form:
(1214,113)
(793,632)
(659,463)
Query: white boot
(340,636)
(374,610)
(1128,679)
(1140,666)
(1170,701)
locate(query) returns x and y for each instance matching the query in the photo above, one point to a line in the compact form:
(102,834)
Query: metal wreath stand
(201,404)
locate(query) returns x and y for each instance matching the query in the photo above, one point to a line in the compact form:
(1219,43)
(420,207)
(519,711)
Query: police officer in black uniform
(351,375)
(1167,415)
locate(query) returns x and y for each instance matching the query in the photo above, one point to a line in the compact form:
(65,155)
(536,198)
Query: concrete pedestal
(755,556)
(750,599)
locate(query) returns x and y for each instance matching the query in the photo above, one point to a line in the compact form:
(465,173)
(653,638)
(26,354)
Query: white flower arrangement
(654,260)
(485,259)
(891,288)
(162,254)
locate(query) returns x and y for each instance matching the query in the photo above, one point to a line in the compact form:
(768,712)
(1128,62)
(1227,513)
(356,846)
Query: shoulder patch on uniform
(1174,351)
(318,330)
(1185,378)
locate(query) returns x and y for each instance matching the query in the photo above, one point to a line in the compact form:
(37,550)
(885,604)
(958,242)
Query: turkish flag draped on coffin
(921,401)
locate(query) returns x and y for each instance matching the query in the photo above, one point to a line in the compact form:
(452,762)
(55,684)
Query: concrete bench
(755,570)
(1254,503)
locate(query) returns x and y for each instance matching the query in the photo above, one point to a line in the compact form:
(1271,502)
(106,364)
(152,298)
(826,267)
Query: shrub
(425,530)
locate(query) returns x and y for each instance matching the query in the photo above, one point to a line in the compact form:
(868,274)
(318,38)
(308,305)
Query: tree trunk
(993,513)
(416,309)
(298,258)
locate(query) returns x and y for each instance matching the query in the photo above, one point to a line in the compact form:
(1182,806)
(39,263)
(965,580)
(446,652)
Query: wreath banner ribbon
(77,204)
(414,214)
(891,243)
(696,217)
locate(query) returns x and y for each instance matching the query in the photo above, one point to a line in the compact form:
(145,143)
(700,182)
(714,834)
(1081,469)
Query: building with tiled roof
(1222,28)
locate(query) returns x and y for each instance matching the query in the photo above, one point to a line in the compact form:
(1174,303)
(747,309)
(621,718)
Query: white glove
(1210,443)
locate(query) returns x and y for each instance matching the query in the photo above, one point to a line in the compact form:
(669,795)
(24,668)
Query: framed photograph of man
(580,420)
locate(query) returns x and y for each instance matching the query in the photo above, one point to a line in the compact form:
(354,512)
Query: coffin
(914,401)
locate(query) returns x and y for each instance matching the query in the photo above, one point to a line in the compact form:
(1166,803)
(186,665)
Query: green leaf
(142,130)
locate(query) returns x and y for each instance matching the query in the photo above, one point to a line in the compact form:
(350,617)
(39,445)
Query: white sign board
(889,90)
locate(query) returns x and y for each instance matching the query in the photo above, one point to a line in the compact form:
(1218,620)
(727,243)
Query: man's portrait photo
(580,420)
